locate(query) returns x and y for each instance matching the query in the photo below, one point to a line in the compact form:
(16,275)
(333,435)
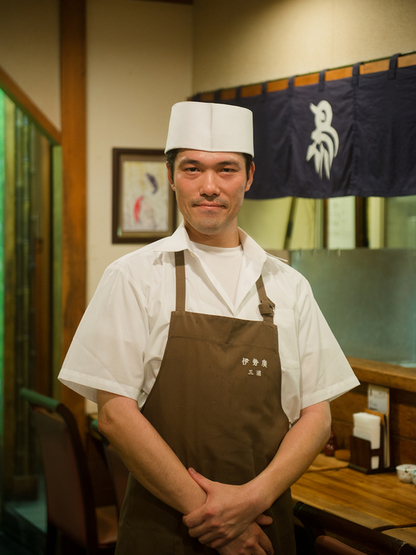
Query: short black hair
(172,154)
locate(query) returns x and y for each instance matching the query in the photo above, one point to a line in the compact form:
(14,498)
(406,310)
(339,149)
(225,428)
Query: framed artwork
(144,207)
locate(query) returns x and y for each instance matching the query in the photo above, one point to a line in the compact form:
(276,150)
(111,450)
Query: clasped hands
(228,521)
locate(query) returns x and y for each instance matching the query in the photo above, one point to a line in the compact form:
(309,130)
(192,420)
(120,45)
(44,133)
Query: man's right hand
(251,542)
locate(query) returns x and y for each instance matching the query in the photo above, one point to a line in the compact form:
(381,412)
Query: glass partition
(338,223)
(368,297)
(401,222)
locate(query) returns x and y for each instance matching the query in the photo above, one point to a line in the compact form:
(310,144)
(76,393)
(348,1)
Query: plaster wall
(239,42)
(139,63)
(29,51)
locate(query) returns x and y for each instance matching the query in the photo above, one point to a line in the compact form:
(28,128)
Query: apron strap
(180,280)
(266,306)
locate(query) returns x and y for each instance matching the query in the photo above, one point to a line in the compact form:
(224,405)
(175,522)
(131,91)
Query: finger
(264,520)
(212,538)
(211,541)
(201,532)
(192,521)
(266,544)
(199,479)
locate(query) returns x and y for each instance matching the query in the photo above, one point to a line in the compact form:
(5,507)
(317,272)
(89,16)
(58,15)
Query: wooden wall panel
(342,410)
(403,413)
(73,107)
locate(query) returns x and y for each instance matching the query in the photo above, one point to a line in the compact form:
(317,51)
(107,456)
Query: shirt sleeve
(107,350)
(325,372)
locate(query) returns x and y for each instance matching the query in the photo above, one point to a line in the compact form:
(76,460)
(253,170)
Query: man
(244,361)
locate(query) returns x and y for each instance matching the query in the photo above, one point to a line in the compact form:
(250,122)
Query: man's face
(210,189)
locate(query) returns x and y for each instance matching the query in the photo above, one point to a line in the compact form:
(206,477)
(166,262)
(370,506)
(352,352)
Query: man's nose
(209,184)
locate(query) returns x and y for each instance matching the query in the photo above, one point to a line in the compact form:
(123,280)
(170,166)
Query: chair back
(119,474)
(69,492)
(116,467)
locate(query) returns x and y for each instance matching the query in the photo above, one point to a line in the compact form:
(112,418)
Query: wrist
(195,498)
(257,496)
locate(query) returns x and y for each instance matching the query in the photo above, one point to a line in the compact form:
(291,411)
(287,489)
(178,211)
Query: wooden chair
(117,469)
(370,542)
(119,474)
(69,493)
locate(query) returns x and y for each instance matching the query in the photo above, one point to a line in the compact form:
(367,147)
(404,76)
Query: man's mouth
(209,205)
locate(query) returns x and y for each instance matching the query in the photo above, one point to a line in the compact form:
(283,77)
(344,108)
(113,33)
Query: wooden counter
(392,376)
(372,500)
(407,535)
(376,501)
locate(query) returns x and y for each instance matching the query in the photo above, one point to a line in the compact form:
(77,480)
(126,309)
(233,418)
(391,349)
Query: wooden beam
(13,91)
(73,107)
(173,1)
(309,79)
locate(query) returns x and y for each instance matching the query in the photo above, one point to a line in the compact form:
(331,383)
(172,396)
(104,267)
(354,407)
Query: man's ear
(250,176)
(170,177)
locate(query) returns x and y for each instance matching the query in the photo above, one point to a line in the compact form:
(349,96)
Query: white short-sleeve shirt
(120,342)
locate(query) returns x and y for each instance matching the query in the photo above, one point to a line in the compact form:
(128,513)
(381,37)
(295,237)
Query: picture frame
(144,206)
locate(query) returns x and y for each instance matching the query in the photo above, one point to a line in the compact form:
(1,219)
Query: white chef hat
(212,127)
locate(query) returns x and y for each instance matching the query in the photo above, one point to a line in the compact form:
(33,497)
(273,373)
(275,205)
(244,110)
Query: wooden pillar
(73,107)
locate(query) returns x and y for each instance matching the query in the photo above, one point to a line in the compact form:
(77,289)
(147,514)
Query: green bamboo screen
(2,178)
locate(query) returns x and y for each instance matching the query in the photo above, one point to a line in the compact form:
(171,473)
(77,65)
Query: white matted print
(143,202)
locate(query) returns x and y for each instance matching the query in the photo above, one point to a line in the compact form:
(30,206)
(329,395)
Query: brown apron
(217,403)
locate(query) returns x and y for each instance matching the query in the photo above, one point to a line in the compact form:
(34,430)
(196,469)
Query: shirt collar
(179,241)
(176,242)
(252,249)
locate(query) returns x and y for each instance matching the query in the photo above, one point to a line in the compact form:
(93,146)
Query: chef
(210,361)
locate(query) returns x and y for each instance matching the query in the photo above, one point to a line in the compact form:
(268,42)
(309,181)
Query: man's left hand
(226,514)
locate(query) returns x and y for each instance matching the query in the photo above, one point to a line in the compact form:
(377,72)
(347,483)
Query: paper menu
(379,403)
(379,398)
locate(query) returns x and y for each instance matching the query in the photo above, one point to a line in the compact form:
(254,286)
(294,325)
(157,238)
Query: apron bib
(217,403)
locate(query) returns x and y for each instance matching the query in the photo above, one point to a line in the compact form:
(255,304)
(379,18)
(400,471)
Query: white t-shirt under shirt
(120,342)
(225,265)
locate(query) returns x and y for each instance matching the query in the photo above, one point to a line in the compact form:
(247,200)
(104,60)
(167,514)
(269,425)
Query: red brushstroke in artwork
(137,207)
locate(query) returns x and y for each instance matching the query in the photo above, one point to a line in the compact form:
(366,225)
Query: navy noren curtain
(353,136)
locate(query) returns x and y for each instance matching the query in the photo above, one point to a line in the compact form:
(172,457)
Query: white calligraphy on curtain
(325,139)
